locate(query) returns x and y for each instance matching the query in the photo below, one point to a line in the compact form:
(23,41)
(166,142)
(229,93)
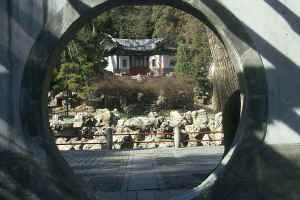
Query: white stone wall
(278,46)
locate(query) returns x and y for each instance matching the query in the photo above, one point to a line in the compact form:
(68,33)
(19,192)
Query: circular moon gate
(257,162)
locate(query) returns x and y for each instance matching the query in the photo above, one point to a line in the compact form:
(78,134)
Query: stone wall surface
(262,38)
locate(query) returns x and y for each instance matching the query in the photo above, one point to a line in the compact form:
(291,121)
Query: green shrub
(177,89)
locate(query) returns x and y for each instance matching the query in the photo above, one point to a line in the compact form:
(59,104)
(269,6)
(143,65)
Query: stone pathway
(148,174)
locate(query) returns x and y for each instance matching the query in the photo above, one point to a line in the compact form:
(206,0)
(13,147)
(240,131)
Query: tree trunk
(93,29)
(222,74)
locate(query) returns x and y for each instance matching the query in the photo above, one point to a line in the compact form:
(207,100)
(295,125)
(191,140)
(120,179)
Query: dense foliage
(83,58)
(139,97)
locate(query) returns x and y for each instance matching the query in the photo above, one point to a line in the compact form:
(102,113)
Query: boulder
(117,141)
(217,126)
(175,118)
(61,94)
(127,142)
(57,100)
(89,121)
(80,116)
(107,118)
(194,135)
(84,108)
(93,146)
(200,118)
(189,117)
(120,125)
(78,124)
(165,127)
(157,123)
(206,137)
(137,135)
(152,115)
(219,137)
(141,123)
(104,117)
(116,114)
(65,129)
(88,132)
(63,147)
(149,138)
(137,109)
(85,125)
(84,119)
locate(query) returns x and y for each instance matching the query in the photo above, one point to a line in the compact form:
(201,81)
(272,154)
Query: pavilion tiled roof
(139,46)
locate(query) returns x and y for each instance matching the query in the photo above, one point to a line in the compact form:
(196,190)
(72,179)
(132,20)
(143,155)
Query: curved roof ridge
(138,44)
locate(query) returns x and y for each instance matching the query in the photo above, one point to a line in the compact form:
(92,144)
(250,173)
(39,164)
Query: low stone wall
(134,132)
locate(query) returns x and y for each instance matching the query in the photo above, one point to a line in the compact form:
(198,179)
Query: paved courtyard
(148,174)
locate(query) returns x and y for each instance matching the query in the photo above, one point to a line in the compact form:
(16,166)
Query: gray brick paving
(148,174)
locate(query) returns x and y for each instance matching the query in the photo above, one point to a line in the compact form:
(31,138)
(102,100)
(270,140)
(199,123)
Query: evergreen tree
(193,55)
(82,59)
(183,64)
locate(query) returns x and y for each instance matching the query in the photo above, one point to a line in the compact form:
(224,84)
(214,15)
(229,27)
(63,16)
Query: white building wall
(167,64)
(112,63)
(154,68)
(167,61)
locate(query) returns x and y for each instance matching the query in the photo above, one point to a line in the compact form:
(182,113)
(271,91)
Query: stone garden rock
(104,117)
(141,123)
(153,115)
(86,125)
(200,118)
(175,118)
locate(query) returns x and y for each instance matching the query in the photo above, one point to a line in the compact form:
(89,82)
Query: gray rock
(175,118)
(188,116)
(200,118)
(152,114)
(165,127)
(78,124)
(63,147)
(87,132)
(80,116)
(116,113)
(218,121)
(103,117)
(89,121)
(83,119)
(141,123)
(94,146)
